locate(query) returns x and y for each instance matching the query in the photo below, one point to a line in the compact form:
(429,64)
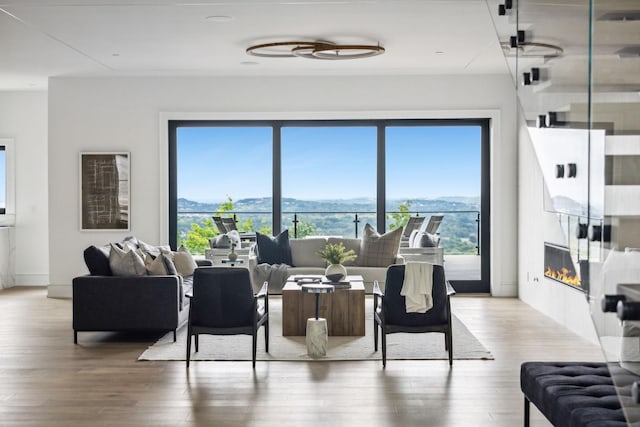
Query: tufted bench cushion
(577,394)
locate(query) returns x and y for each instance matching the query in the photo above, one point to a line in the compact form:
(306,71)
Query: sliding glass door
(330,178)
(435,171)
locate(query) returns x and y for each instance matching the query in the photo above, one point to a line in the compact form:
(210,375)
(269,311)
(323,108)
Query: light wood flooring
(46,380)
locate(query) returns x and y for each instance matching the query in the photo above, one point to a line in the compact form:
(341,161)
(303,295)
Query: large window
(331,178)
(3,180)
(7,182)
(220,170)
(328,176)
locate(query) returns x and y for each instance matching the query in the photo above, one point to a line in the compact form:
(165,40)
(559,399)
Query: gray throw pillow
(221,241)
(425,240)
(126,262)
(378,250)
(130,241)
(234,236)
(162,265)
(152,250)
(184,262)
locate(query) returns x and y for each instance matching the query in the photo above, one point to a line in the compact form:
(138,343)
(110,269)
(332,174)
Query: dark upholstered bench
(576,394)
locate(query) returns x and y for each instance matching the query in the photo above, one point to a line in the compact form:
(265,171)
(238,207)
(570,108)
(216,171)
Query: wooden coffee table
(343,309)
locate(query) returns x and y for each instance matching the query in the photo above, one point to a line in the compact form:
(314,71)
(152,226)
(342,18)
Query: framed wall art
(104,191)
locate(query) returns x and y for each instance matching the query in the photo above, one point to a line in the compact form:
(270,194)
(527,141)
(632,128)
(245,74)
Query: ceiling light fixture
(314,50)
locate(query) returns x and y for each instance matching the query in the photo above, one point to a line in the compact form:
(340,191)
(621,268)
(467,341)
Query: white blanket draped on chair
(417,287)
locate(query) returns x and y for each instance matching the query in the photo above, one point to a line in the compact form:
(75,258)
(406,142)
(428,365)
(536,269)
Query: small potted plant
(335,255)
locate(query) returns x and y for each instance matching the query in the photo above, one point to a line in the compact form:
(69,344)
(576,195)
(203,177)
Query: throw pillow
(155,266)
(97,260)
(169,265)
(151,249)
(220,241)
(378,250)
(126,262)
(274,250)
(234,236)
(184,262)
(162,265)
(130,241)
(425,240)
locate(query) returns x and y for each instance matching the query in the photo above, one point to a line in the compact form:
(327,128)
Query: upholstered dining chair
(223,303)
(390,313)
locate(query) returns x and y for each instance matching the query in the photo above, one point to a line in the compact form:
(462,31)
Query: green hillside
(458,231)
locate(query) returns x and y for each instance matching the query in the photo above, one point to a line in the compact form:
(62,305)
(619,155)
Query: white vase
(335,272)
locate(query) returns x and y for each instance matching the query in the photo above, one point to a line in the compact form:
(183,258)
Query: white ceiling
(42,38)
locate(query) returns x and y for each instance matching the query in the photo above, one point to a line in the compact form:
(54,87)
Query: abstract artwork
(104,203)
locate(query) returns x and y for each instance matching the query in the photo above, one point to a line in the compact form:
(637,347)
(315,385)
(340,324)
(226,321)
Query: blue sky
(328,162)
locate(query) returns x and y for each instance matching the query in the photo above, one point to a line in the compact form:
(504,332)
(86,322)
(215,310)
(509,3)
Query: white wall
(565,305)
(113,114)
(23,118)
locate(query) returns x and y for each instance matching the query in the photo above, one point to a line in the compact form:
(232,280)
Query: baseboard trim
(59,291)
(32,279)
(505,290)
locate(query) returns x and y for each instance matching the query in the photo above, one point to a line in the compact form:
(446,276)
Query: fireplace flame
(564,276)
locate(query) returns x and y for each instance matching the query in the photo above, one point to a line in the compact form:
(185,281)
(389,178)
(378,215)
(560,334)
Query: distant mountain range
(264,204)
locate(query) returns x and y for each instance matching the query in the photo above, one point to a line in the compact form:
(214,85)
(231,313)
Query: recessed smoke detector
(622,16)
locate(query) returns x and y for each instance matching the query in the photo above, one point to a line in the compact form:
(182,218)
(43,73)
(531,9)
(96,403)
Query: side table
(317,332)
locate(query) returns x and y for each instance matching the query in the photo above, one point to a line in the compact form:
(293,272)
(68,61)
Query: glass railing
(459,231)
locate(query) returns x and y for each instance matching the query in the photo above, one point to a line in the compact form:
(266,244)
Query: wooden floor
(46,380)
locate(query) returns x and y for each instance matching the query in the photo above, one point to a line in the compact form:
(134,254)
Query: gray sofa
(305,260)
(102,302)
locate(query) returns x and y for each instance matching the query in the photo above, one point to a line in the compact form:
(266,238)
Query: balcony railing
(459,231)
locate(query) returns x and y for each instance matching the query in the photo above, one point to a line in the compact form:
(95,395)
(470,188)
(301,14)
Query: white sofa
(305,260)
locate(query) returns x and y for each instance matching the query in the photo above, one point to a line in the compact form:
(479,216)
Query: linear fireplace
(559,266)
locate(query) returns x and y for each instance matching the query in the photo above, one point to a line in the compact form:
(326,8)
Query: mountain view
(458,231)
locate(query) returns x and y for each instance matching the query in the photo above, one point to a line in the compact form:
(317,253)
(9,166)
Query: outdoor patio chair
(230,225)
(389,310)
(222,229)
(223,303)
(414,223)
(433,224)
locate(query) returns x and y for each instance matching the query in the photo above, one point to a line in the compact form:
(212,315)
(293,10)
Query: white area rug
(399,346)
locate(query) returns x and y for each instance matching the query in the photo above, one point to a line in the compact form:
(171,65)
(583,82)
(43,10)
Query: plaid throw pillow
(379,250)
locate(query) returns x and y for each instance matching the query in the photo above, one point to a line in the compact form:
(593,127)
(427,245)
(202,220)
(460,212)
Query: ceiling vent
(629,15)
(629,52)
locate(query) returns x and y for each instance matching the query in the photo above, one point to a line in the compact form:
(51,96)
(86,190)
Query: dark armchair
(223,303)
(390,310)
